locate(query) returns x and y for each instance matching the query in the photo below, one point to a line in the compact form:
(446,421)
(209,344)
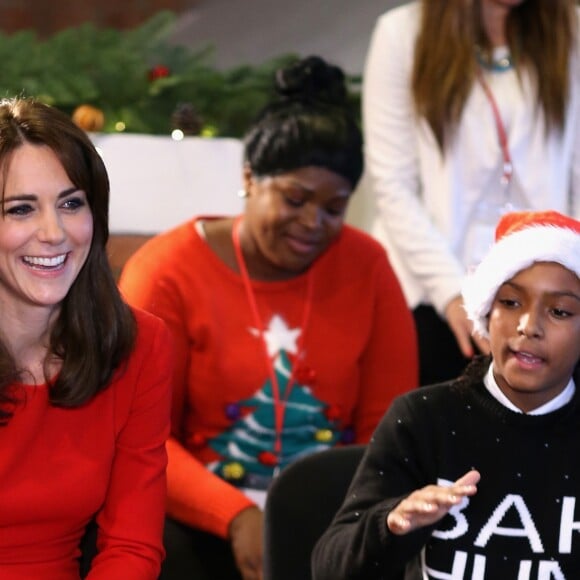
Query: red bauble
(158,72)
(305,376)
(333,413)
(198,440)
(268,458)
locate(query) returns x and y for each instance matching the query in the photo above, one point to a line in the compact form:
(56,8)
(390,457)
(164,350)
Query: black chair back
(301,503)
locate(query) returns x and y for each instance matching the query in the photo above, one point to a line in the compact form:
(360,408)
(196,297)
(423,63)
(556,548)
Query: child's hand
(429,504)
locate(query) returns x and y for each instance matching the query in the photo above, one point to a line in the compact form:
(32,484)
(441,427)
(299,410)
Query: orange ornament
(89,118)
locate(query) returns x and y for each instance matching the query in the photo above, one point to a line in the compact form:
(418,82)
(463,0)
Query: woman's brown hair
(95,330)
(541,36)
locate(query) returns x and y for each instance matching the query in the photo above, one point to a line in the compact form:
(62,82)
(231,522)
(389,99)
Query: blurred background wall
(49,16)
(240,31)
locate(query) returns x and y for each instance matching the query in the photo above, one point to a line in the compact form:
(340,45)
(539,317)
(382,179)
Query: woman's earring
(242,193)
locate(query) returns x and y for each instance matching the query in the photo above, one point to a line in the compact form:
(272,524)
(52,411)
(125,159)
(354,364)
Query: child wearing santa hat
(479,478)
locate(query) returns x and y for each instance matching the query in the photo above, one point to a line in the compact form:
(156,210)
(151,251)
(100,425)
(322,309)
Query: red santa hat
(521,239)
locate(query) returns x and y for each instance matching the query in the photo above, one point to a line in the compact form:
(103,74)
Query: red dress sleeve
(131,520)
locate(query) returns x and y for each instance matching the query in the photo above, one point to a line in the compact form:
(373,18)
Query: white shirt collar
(556,403)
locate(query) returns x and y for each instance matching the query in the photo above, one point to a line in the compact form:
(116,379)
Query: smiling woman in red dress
(84,379)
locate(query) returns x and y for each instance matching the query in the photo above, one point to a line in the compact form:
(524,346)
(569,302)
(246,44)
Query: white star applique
(279,337)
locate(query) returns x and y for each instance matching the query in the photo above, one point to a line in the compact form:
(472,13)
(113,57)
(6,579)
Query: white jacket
(424,200)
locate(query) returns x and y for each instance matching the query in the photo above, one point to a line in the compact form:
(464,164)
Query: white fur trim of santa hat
(521,241)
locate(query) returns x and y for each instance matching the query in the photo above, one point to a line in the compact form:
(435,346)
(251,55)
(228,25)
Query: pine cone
(186,119)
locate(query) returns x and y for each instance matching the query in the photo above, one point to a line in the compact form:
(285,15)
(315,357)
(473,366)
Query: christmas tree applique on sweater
(247,449)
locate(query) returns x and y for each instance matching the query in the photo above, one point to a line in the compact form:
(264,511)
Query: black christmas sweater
(522,524)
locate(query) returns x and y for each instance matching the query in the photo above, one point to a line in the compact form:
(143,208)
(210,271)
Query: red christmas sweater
(59,467)
(359,352)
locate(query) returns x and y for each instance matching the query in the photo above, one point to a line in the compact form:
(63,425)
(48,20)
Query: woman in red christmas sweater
(84,380)
(291,329)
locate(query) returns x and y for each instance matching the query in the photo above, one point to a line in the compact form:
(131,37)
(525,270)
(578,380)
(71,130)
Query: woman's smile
(46,229)
(302,245)
(291,219)
(45,263)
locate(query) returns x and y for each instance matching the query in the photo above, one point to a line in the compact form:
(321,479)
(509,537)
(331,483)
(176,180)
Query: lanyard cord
(279,403)
(501,132)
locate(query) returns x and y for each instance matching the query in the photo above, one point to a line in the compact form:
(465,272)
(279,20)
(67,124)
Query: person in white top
(458,131)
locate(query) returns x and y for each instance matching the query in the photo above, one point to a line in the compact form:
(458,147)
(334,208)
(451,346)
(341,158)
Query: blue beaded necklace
(487,62)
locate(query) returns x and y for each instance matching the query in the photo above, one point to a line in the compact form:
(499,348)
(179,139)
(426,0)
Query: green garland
(137,78)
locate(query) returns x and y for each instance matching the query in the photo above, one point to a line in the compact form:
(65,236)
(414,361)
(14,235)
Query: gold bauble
(89,118)
(233,471)
(324,435)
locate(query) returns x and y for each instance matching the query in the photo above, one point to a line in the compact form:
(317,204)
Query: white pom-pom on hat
(521,239)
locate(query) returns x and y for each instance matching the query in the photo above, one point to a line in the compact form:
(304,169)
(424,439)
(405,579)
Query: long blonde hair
(541,36)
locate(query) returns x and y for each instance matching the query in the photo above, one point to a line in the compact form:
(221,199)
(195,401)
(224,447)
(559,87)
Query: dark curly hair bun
(312,79)
(309,122)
